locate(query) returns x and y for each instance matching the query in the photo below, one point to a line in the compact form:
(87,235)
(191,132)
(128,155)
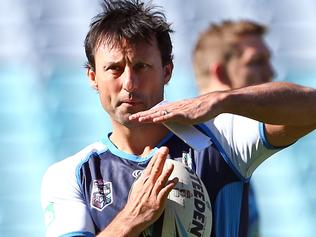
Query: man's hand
(146,201)
(190,111)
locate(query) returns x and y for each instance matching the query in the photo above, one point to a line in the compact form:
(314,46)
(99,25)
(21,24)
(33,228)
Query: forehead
(253,43)
(139,49)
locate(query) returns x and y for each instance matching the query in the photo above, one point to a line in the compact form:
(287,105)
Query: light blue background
(48,110)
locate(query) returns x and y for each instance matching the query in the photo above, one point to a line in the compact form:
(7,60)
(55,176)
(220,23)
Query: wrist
(121,226)
(220,102)
(132,229)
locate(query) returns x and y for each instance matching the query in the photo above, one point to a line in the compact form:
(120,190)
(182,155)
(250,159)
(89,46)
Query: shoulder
(242,140)
(72,162)
(63,203)
(226,120)
(64,172)
(228,125)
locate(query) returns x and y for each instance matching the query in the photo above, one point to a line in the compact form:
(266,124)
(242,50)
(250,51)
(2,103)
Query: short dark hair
(130,20)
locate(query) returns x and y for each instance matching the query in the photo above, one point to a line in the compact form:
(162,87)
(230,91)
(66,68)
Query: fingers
(156,115)
(155,166)
(142,114)
(163,178)
(162,116)
(164,192)
(163,186)
(189,111)
(157,173)
(148,196)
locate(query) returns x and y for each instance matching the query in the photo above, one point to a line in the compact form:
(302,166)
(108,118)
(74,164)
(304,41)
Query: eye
(141,66)
(114,69)
(257,62)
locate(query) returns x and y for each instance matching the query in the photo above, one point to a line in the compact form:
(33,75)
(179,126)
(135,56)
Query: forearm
(273,103)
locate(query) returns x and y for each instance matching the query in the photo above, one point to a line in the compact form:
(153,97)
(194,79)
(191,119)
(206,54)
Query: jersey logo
(101,195)
(137,173)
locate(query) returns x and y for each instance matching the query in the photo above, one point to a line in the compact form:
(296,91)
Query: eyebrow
(111,64)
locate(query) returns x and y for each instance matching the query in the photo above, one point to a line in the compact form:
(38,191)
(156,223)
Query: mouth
(130,102)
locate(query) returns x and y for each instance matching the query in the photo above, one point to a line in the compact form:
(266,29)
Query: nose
(267,73)
(130,80)
(270,71)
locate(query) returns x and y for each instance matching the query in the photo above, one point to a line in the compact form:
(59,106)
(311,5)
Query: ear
(218,73)
(168,72)
(92,78)
(217,70)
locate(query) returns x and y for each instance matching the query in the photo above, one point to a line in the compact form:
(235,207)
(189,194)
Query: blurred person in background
(230,55)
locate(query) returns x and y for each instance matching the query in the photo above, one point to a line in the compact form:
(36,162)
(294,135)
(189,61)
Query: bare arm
(275,103)
(288,110)
(146,202)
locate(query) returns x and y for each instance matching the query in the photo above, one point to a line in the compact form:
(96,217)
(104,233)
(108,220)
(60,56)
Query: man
(129,62)
(230,55)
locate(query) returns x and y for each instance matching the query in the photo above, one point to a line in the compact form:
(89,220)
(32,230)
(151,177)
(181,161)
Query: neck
(138,140)
(214,86)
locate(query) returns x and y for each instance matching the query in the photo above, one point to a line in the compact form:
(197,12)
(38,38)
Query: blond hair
(219,42)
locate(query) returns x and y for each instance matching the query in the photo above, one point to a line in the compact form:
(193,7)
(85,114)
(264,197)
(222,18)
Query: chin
(123,119)
(131,124)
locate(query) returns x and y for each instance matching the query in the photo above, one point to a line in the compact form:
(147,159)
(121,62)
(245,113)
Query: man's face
(253,65)
(129,79)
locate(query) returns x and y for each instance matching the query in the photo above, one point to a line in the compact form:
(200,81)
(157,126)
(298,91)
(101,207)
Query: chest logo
(137,173)
(101,194)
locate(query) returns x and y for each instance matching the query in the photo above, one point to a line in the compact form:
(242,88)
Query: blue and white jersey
(83,193)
